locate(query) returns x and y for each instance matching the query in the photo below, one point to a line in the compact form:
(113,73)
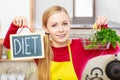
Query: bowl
(89,45)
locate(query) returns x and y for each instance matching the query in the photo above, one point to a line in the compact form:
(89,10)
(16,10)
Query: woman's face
(58,27)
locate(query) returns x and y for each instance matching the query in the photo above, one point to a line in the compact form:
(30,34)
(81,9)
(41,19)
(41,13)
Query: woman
(65,59)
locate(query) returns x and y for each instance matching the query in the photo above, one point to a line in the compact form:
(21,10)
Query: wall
(10,9)
(42,5)
(109,8)
(8,12)
(103,7)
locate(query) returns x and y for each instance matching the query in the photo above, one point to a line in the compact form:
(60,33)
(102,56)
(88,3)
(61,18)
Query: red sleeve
(36,61)
(12,30)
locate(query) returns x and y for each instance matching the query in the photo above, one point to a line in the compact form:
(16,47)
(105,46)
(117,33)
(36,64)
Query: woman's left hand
(101,20)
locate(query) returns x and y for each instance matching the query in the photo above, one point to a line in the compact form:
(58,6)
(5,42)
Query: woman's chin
(62,40)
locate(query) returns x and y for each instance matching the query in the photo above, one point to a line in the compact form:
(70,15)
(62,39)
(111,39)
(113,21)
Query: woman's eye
(65,24)
(54,25)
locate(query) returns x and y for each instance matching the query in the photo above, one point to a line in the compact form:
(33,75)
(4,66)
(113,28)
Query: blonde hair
(44,64)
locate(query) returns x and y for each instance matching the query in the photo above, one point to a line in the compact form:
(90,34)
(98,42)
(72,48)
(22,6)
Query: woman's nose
(61,28)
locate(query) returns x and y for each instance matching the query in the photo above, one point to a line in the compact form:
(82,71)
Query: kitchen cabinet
(82,30)
(25,68)
(83,11)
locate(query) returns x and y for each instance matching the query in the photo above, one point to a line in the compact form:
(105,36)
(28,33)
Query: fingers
(101,20)
(94,26)
(20,21)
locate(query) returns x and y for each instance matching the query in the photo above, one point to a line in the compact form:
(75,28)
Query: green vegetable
(104,36)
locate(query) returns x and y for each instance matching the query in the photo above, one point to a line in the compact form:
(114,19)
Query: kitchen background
(108,8)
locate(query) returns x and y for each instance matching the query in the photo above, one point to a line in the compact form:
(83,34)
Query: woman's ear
(46,31)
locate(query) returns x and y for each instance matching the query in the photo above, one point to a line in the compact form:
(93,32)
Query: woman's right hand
(20,21)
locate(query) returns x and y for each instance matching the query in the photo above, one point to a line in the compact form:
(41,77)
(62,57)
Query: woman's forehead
(58,16)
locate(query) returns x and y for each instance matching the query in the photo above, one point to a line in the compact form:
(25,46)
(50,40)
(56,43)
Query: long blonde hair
(44,64)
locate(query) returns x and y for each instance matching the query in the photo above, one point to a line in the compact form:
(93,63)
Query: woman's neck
(62,44)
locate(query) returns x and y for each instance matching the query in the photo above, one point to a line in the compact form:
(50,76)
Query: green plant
(104,36)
